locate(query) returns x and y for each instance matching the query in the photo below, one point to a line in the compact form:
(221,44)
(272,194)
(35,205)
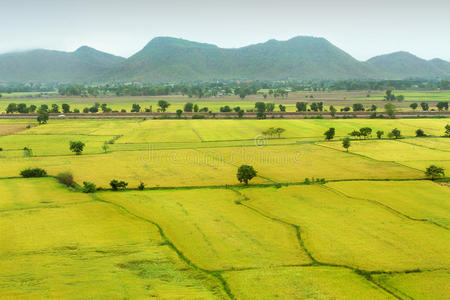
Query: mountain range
(166,59)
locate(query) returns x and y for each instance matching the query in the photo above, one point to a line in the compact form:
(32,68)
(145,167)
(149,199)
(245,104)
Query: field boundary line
(217,275)
(431,148)
(370,158)
(364,274)
(387,207)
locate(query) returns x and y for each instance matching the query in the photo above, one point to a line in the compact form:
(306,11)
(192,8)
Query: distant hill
(166,59)
(399,65)
(55,66)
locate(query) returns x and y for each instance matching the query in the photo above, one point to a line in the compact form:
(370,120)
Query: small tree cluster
(33,172)
(118,185)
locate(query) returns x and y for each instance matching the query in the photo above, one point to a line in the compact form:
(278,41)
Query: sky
(362,28)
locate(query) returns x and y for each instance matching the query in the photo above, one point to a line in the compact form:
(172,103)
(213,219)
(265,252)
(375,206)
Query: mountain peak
(85,49)
(176,42)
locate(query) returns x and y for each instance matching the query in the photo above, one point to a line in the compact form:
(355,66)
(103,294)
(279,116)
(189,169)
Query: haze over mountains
(166,59)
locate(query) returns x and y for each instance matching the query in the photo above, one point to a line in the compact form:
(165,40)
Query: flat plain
(378,228)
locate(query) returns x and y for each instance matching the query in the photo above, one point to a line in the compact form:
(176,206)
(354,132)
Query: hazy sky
(362,28)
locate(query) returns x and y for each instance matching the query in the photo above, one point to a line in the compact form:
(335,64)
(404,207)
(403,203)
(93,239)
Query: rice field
(377,228)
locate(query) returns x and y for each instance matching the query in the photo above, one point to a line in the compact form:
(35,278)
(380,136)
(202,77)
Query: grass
(212,231)
(344,231)
(416,199)
(302,283)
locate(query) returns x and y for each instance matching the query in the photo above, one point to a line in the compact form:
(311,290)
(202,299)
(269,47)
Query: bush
(35,172)
(118,185)
(66,178)
(141,186)
(1,149)
(420,133)
(198,116)
(89,187)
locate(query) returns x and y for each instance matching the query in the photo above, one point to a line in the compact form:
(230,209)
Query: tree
(389,96)
(188,107)
(279,131)
(442,105)
(390,109)
(179,112)
(301,106)
(22,108)
(395,133)
(435,172)
(12,107)
(424,106)
(76,147)
(380,134)
(413,106)
(329,134)
(32,108)
(105,146)
(225,108)
(420,133)
(447,130)
(163,104)
(118,185)
(355,133)
(346,143)
(358,107)
(332,111)
(88,187)
(240,114)
(282,107)
(55,109)
(66,108)
(270,107)
(260,107)
(365,132)
(245,174)
(42,117)
(135,108)
(43,107)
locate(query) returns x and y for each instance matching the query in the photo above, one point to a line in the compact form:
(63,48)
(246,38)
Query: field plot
(425,285)
(302,283)
(157,131)
(213,231)
(344,231)
(154,168)
(442,144)
(416,199)
(295,163)
(21,193)
(6,129)
(391,150)
(53,144)
(82,249)
(215,166)
(85,127)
